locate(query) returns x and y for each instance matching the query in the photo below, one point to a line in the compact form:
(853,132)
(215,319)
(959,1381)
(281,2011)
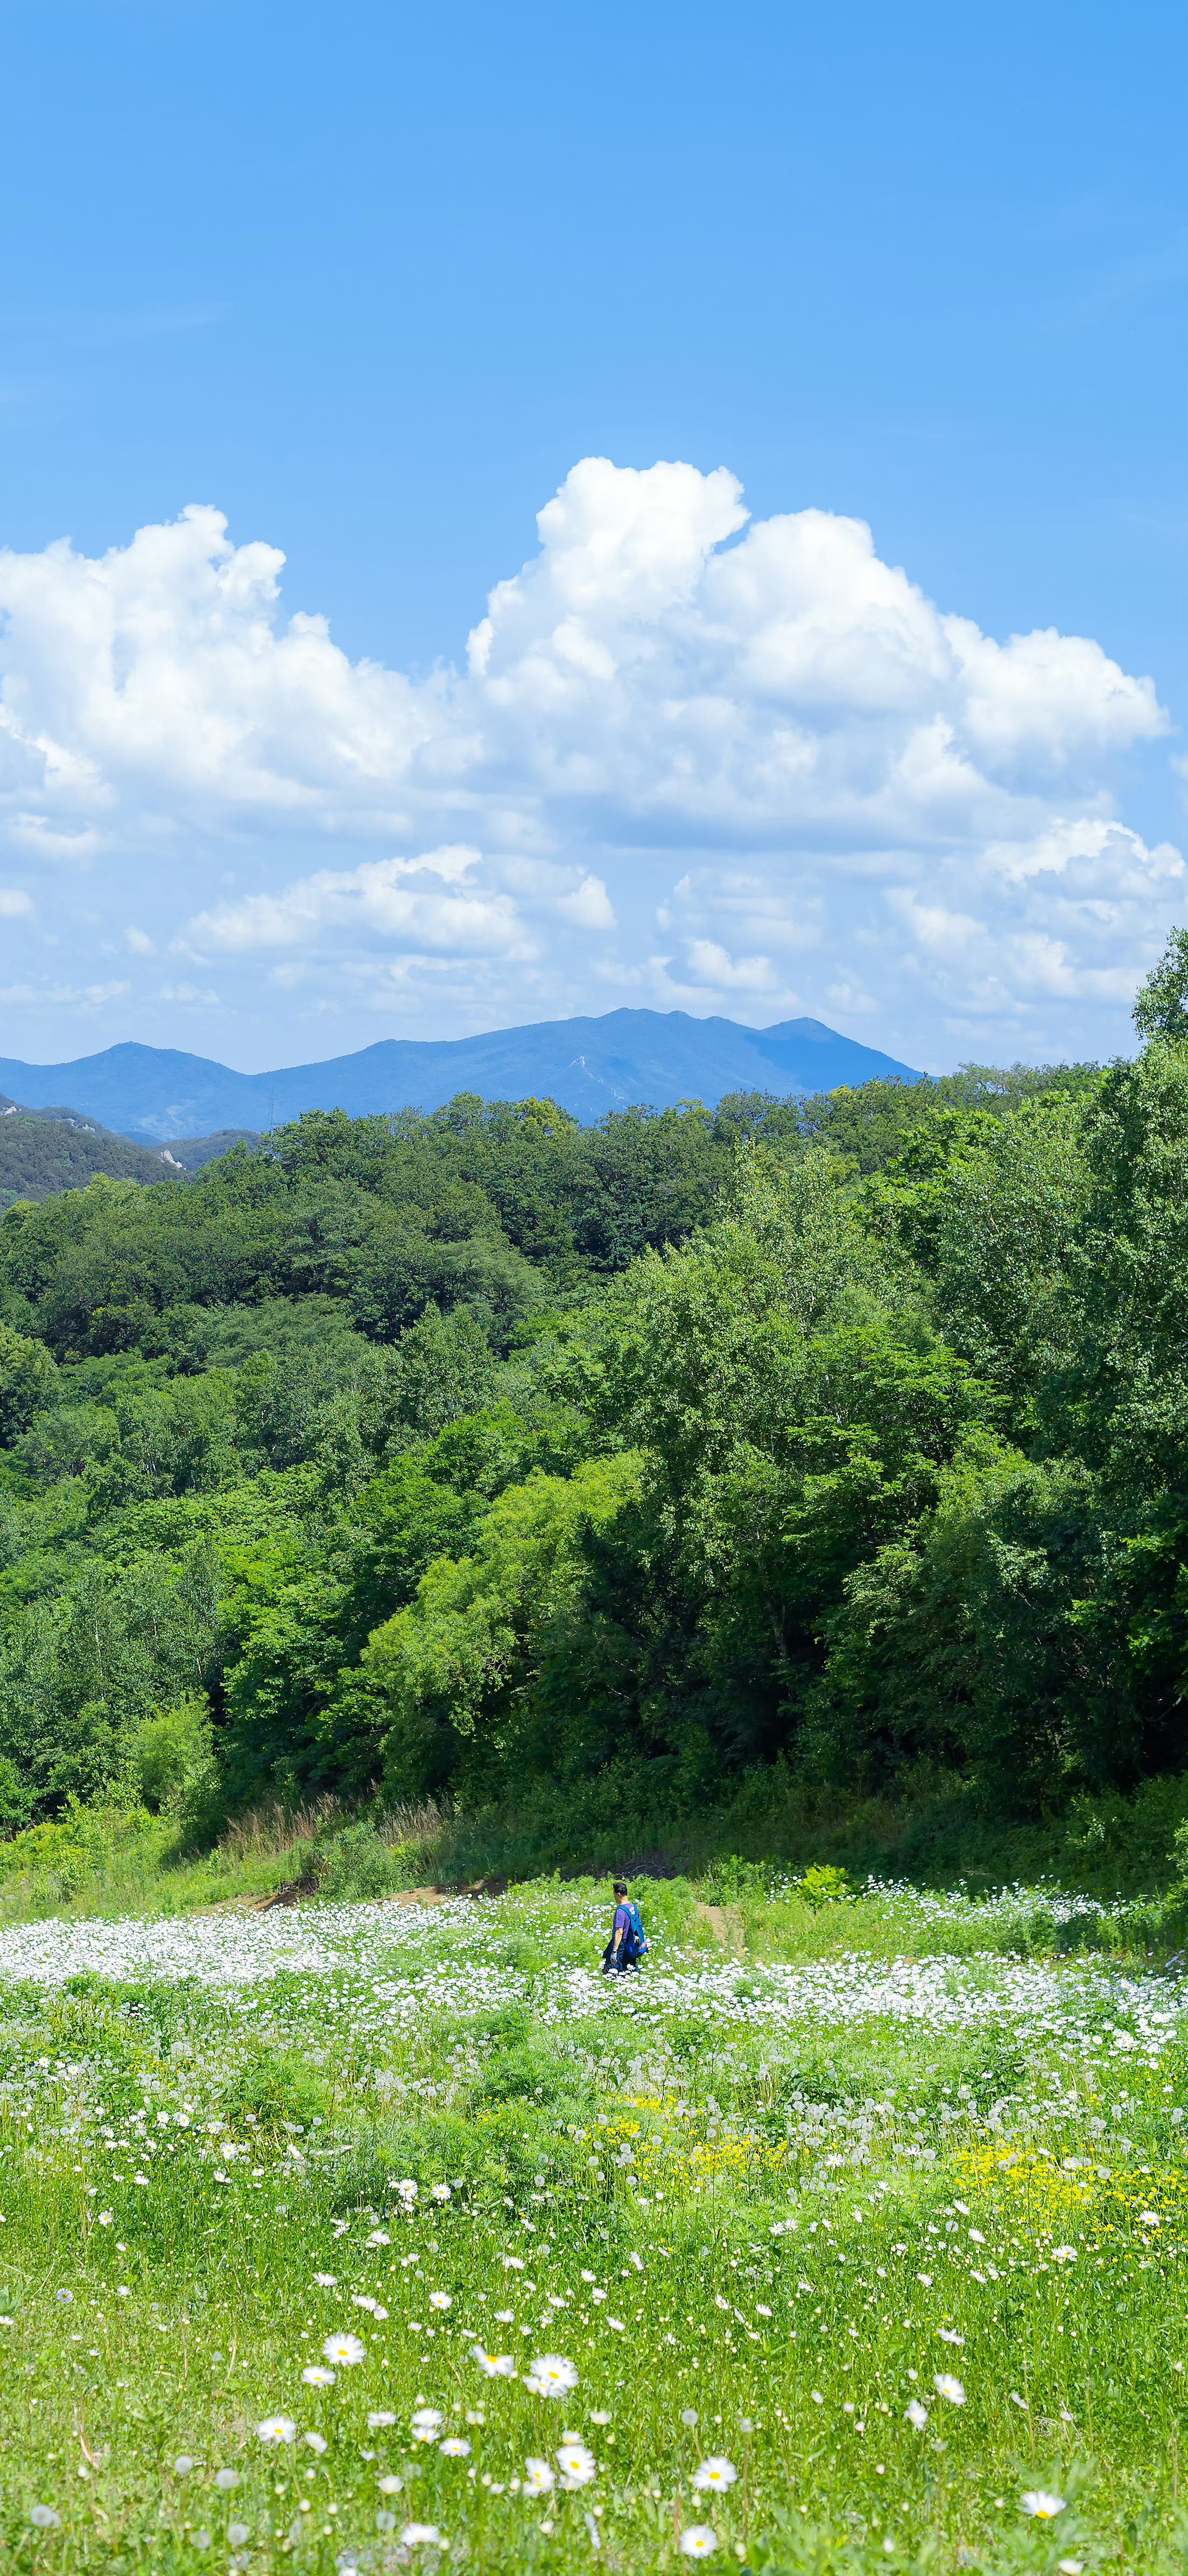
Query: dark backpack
(632,1944)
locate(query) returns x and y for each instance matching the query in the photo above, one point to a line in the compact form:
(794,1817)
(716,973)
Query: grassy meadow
(847,2234)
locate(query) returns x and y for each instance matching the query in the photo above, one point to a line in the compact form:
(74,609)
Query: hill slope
(588,1065)
(40,1155)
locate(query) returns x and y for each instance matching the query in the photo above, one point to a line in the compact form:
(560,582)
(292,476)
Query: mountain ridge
(588,1065)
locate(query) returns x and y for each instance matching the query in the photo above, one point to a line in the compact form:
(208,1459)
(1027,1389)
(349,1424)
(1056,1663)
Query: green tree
(29,1383)
(1161,1005)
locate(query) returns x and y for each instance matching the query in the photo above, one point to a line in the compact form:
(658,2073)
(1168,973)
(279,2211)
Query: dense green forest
(484,1456)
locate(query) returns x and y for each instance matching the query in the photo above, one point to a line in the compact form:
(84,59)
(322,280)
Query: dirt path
(297,1890)
(725,1922)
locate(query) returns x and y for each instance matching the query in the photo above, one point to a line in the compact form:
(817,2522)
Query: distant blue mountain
(589,1066)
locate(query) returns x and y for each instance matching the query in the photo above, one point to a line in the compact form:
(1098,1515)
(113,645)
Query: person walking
(628,1943)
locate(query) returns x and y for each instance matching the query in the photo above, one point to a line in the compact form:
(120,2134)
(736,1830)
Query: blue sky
(371,286)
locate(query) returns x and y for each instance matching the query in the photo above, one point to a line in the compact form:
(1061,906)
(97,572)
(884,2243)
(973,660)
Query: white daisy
(345,2349)
(277,2428)
(698,2541)
(550,2375)
(317,2375)
(946,2386)
(538,2478)
(1041,2504)
(577,2465)
(715,2473)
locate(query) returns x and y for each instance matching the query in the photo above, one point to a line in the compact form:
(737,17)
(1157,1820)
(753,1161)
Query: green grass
(789,2197)
(111,1861)
(95,1861)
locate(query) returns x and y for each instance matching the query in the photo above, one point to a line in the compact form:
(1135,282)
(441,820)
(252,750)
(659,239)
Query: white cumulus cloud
(746,765)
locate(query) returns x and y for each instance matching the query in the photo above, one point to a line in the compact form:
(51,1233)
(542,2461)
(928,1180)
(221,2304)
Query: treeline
(463,1453)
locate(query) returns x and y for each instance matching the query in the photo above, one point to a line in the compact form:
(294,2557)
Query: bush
(172,1764)
(826,1885)
(355,1863)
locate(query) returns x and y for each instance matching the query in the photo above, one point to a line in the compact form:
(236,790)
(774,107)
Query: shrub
(172,1764)
(354,1862)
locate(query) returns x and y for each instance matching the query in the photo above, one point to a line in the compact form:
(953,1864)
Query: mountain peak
(622,1058)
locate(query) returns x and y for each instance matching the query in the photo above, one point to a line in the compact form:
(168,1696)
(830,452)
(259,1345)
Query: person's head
(620,1889)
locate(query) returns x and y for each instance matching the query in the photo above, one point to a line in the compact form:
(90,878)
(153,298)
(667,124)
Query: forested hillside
(41,1154)
(492,1457)
(44,1151)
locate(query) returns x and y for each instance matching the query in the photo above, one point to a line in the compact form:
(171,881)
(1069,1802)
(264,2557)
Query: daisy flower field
(363,2237)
